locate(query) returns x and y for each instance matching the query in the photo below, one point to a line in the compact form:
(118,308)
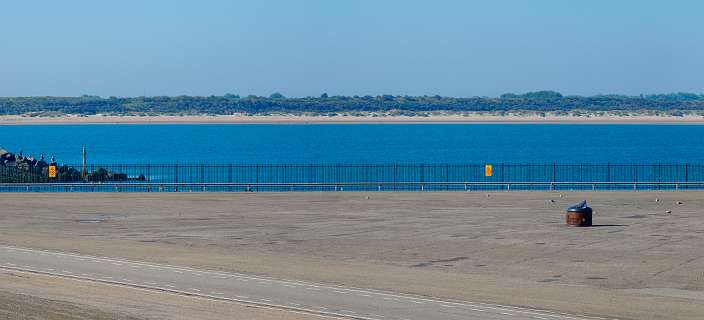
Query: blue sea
(360,143)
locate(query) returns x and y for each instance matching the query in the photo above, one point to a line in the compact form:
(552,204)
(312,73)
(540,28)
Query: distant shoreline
(295,119)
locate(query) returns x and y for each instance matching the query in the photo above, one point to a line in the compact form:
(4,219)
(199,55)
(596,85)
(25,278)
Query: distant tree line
(541,101)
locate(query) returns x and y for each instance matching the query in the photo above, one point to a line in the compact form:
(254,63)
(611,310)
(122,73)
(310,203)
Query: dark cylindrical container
(579,217)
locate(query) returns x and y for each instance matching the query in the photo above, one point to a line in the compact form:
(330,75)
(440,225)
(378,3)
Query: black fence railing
(346,177)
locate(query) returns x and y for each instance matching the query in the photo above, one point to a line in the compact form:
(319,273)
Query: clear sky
(347,47)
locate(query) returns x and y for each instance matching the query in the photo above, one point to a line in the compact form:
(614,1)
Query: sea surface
(360,143)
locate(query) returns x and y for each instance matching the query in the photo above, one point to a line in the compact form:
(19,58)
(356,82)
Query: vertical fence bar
(686,173)
(422,177)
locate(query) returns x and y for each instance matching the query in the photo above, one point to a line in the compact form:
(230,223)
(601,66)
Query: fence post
(659,175)
(422,173)
(447,176)
(422,177)
(635,173)
(338,174)
(608,172)
(686,173)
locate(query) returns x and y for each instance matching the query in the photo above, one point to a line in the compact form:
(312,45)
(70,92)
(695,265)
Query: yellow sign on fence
(52,171)
(488,170)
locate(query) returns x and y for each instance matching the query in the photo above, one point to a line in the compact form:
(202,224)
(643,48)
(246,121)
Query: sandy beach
(295,119)
(641,260)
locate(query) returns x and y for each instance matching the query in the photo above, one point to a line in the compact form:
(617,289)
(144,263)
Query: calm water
(413,143)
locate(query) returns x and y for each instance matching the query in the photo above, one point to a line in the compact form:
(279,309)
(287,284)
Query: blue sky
(302,48)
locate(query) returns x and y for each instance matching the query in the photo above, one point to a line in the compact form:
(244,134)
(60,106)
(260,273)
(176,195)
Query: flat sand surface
(638,262)
(31,296)
(293,119)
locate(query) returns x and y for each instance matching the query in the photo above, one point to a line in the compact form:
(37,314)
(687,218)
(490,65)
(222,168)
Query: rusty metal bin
(579,215)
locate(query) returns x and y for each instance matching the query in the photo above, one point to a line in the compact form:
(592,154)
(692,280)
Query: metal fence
(356,177)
